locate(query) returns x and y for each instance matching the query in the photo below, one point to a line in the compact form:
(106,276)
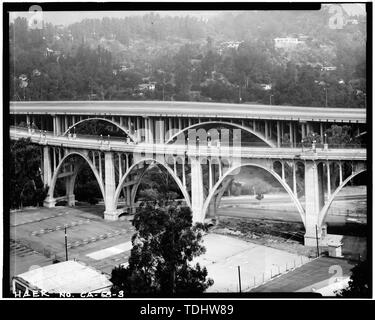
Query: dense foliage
(86,187)
(359,284)
(164,245)
(187,58)
(26,185)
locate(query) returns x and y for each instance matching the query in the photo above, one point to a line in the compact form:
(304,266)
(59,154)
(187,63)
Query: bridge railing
(209,144)
(331,146)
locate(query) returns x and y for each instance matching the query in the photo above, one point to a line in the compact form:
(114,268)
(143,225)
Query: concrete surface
(257,263)
(308,276)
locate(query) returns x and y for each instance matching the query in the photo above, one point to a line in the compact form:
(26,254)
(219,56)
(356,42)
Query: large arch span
(261,137)
(274,174)
(169,170)
(127,132)
(57,172)
(324,210)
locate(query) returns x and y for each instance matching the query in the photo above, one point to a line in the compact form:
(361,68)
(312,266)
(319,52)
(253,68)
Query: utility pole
(317,241)
(66,246)
(239,278)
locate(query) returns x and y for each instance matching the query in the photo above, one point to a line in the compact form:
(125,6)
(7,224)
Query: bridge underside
(120,174)
(201,173)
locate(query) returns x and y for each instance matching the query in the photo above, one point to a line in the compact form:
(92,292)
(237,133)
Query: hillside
(259,56)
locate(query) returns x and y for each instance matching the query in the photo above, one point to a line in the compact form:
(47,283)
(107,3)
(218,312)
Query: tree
(163,249)
(26,185)
(359,284)
(341,135)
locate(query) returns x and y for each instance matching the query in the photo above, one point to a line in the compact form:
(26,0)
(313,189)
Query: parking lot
(38,238)
(41,234)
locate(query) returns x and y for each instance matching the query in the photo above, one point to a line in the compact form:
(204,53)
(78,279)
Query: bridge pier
(211,210)
(47,168)
(110,212)
(49,202)
(313,202)
(196,190)
(71,198)
(69,187)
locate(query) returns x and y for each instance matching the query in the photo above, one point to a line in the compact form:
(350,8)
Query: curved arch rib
(56,173)
(261,137)
(283,183)
(170,171)
(324,211)
(127,132)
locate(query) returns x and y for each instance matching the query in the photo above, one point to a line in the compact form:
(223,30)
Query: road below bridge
(280,207)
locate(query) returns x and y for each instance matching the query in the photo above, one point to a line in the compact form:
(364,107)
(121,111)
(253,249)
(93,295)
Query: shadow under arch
(324,210)
(127,132)
(56,173)
(274,174)
(170,171)
(261,137)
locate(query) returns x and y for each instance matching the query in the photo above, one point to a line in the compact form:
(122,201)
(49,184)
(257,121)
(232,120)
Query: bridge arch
(127,132)
(169,170)
(261,137)
(274,174)
(57,170)
(324,211)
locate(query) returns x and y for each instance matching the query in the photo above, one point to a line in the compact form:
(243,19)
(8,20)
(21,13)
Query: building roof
(67,277)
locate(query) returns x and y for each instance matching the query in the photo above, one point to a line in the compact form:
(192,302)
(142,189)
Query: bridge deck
(180,149)
(190,109)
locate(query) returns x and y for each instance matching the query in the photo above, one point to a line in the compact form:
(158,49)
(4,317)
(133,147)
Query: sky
(66,18)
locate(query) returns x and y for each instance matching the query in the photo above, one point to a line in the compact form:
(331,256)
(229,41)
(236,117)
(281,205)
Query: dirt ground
(286,236)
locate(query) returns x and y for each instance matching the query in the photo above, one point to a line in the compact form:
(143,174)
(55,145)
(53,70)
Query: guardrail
(107,139)
(191,150)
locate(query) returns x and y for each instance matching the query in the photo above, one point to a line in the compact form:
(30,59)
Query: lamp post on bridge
(313,145)
(325,142)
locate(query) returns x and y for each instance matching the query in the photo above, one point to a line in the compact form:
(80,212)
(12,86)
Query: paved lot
(257,263)
(40,231)
(23,257)
(310,275)
(37,238)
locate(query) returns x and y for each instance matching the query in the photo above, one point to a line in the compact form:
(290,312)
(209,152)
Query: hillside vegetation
(231,57)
